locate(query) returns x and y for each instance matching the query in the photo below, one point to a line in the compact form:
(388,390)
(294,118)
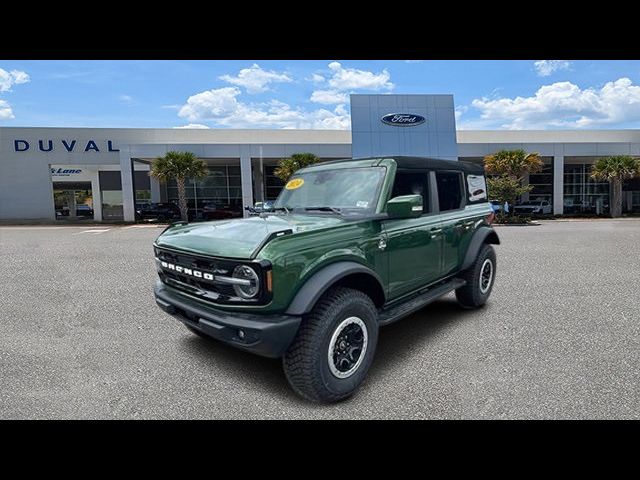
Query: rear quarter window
(476,188)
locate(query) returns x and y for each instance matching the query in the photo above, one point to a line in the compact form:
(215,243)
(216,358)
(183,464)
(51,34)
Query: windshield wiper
(281,208)
(324,209)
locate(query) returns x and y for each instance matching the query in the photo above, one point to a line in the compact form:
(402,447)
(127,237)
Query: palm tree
(616,170)
(513,163)
(288,166)
(509,168)
(179,166)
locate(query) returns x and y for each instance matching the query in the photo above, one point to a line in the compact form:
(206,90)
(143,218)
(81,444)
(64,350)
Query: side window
(409,182)
(449,190)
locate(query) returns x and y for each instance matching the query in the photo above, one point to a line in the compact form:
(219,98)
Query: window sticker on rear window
(477,187)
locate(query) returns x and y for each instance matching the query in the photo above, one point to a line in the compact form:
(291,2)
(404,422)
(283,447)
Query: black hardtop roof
(419,163)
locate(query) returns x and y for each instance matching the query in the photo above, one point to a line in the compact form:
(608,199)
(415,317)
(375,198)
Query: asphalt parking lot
(81,337)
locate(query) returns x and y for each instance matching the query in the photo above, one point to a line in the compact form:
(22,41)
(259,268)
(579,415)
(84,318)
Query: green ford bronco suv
(349,246)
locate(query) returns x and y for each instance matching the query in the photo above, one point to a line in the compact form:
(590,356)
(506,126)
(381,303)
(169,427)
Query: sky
(500,94)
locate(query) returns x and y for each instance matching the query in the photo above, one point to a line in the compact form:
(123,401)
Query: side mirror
(406,206)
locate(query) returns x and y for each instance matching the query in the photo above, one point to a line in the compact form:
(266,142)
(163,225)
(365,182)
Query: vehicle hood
(239,238)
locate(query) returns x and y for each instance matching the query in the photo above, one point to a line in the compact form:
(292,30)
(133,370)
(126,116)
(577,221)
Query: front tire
(480,278)
(334,347)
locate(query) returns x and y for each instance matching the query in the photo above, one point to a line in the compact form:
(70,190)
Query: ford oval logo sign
(403,119)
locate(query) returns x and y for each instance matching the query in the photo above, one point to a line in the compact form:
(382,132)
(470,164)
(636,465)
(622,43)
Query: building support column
(245,178)
(258,180)
(558,184)
(126,176)
(96,195)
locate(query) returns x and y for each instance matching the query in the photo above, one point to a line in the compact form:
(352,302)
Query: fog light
(241,334)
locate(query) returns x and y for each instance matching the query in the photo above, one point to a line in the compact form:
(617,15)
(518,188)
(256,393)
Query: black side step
(398,312)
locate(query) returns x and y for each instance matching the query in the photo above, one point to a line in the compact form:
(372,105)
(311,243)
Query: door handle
(435,232)
(465,225)
(468,225)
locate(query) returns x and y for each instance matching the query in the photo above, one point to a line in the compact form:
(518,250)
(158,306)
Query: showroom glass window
(221,187)
(542,182)
(272,184)
(582,194)
(111,193)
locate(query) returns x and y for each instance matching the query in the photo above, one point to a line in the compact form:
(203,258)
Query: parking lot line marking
(93,231)
(142,226)
(34,228)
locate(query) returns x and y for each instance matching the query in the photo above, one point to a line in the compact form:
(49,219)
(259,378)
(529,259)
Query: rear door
(457,227)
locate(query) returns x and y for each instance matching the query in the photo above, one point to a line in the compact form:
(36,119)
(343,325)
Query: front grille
(199,287)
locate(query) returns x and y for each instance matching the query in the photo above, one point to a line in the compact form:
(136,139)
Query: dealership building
(77,174)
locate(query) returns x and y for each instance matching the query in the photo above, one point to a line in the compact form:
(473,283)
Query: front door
(414,248)
(413,244)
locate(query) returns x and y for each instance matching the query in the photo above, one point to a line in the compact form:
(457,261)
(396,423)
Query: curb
(530,224)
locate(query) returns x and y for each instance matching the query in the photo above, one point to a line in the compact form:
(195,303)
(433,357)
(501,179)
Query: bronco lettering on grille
(191,272)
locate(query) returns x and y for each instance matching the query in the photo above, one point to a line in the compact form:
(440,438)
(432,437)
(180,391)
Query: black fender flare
(320,281)
(481,236)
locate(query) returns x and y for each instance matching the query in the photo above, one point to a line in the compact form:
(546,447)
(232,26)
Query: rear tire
(480,278)
(334,347)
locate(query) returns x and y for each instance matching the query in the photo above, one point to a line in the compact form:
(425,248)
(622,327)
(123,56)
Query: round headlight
(250,289)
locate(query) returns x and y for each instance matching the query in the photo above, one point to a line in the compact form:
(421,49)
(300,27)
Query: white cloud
(5,110)
(413,61)
(197,126)
(223,108)
(316,78)
(125,98)
(351,79)
(256,80)
(345,80)
(544,68)
(459,111)
(564,105)
(216,103)
(14,77)
(329,97)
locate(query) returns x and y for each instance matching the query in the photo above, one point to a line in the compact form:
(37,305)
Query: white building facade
(46,173)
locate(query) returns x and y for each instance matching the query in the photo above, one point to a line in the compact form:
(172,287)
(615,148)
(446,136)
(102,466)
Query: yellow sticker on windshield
(295,183)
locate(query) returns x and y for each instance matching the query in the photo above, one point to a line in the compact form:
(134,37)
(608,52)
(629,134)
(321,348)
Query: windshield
(347,189)
(529,204)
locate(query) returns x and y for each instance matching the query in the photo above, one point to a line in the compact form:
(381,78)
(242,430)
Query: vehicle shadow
(397,340)
(254,371)
(394,342)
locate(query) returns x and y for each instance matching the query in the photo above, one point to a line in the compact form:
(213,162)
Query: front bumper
(267,335)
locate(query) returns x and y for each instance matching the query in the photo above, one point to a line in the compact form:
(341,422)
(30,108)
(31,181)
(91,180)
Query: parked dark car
(84,211)
(62,211)
(157,211)
(212,211)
